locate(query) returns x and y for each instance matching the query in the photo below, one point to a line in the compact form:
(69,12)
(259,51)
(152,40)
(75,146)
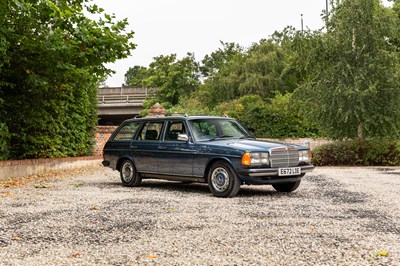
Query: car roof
(164,118)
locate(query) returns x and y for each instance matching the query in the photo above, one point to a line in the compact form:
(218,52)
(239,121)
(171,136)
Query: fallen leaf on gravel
(94,208)
(383,253)
(17,238)
(12,182)
(78,185)
(75,255)
(171,209)
(41,186)
(6,193)
(152,257)
(46,177)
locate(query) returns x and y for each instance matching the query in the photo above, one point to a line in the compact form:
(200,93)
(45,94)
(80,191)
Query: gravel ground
(338,216)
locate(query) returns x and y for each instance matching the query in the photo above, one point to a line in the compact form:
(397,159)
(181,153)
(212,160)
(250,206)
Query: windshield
(210,129)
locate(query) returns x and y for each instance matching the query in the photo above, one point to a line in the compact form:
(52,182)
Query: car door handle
(162,147)
(133,147)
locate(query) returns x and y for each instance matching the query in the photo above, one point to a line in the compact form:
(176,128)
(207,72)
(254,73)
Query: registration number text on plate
(289,171)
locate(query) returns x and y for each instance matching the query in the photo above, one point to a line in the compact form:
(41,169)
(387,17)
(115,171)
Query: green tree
(299,49)
(396,40)
(55,57)
(135,76)
(352,87)
(211,64)
(277,119)
(256,71)
(173,79)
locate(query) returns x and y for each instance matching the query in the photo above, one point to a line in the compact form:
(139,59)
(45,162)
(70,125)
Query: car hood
(252,145)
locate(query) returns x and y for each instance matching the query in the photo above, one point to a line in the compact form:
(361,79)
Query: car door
(145,147)
(176,156)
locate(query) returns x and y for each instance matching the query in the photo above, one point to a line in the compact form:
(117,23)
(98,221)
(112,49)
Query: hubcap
(220,179)
(127,172)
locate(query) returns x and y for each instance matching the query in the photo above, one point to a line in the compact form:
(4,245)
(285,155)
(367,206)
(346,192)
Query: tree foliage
(135,76)
(255,71)
(54,58)
(353,87)
(173,78)
(276,119)
(217,60)
(341,81)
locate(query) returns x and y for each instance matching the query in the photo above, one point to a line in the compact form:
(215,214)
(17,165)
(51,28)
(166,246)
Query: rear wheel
(286,187)
(129,175)
(223,181)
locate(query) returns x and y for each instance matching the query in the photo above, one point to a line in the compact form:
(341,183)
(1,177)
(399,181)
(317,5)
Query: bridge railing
(118,98)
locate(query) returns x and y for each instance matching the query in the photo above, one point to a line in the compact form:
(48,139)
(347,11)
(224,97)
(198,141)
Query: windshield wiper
(224,137)
(247,137)
(220,137)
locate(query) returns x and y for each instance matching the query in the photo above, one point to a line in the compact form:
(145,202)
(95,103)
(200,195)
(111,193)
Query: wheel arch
(124,158)
(216,159)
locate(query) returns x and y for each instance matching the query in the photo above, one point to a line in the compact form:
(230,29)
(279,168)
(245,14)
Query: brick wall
(103,133)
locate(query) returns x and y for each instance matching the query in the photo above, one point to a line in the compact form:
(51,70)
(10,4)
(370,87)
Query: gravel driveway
(338,216)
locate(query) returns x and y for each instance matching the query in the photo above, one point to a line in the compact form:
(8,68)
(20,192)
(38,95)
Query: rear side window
(126,132)
(151,131)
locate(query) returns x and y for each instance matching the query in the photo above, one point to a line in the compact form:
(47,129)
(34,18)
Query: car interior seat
(151,135)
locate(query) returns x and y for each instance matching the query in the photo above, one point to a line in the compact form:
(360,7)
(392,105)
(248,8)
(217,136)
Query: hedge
(372,152)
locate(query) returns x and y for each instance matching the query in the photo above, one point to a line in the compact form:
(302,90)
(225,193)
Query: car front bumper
(270,175)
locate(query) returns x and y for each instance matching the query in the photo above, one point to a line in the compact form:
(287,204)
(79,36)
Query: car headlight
(255,158)
(305,156)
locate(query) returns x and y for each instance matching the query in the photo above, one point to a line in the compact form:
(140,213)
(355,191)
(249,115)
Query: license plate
(289,171)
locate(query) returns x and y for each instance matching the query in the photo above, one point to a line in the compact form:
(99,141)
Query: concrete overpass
(117,104)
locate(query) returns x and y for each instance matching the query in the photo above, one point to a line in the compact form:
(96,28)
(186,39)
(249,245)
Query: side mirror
(183,137)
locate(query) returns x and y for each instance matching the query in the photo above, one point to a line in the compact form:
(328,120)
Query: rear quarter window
(126,132)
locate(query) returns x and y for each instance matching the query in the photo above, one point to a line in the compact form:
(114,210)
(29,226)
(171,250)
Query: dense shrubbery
(52,58)
(356,153)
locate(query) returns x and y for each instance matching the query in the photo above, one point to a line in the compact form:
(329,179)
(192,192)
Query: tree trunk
(360,132)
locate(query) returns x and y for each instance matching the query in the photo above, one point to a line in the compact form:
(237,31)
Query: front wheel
(129,175)
(223,181)
(287,187)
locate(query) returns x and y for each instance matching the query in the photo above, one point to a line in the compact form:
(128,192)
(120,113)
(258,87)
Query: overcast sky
(164,27)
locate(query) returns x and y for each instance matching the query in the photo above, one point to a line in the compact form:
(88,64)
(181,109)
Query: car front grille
(284,157)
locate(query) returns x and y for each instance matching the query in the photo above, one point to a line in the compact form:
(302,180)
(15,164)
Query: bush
(356,153)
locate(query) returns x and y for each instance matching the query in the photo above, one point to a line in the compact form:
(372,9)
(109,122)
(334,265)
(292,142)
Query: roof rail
(179,114)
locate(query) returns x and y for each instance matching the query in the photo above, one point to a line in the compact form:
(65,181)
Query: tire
(286,187)
(129,175)
(222,180)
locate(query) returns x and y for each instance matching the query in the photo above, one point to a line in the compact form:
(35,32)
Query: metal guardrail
(118,98)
